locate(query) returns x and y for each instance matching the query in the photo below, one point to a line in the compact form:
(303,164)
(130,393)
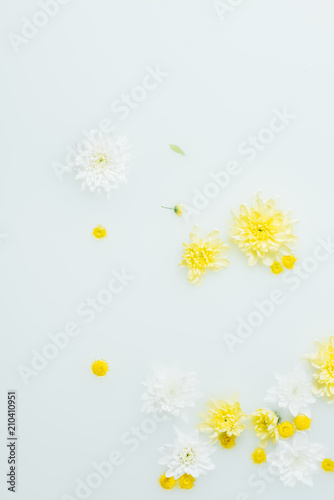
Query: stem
(168,208)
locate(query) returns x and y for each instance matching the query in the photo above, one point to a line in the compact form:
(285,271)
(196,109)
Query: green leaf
(177,149)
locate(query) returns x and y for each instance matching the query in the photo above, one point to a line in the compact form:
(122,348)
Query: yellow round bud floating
(100,368)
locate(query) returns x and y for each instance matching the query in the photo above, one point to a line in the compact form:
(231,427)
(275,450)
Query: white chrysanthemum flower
(295,460)
(101,162)
(169,392)
(187,455)
(292,391)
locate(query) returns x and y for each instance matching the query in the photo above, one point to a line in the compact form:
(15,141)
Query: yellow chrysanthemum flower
(223,417)
(286,429)
(259,456)
(263,232)
(328,465)
(302,422)
(226,441)
(167,483)
(323,362)
(99,232)
(265,425)
(100,368)
(200,255)
(277,268)
(186,482)
(178,209)
(289,261)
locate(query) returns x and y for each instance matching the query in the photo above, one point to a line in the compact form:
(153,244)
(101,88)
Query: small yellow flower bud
(289,261)
(99,232)
(286,429)
(100,368)
(259,456)
(178,209)
(167,482)
(186,481)
(302,422)
(277,268)
(226,441)
(328,465)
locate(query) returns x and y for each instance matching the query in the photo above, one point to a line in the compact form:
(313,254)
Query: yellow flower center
(100,368)
(186,481)
(99,161)
(261,228)
(258,227)
(199,257)
(187,455)
(220,419)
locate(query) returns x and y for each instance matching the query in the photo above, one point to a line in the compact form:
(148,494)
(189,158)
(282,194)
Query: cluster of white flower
(170,392)
(294,459)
